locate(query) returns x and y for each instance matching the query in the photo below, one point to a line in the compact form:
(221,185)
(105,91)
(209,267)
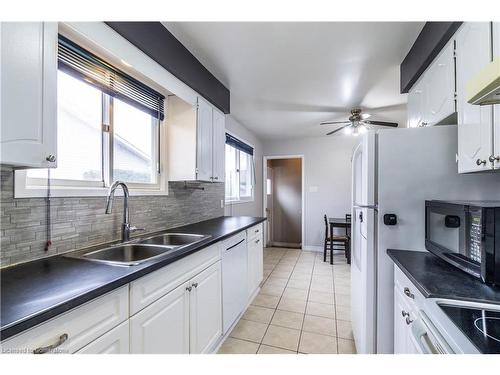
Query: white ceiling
(285,78)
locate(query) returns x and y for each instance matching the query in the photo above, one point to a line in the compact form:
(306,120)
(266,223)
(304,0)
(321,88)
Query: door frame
(264,189)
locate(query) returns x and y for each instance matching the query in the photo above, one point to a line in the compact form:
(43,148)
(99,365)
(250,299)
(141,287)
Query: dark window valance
(79,62)
(239,145)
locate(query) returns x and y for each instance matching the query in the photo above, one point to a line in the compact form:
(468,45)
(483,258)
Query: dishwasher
(234,279)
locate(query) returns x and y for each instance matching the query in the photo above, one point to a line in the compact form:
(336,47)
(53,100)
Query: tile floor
(303,307)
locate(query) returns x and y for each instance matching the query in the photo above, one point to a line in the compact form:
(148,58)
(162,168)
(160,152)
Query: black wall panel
(429,43)
(158,43)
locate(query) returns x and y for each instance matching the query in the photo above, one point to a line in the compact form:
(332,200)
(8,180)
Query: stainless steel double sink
(138,251)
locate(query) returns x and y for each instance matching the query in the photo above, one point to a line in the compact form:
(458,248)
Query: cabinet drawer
(116,341)
(148,289)
(408,290)
(76,328)
(254,232)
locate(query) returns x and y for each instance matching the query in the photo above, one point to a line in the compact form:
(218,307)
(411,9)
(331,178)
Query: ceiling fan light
(348,130)
(355,132)
(362,129)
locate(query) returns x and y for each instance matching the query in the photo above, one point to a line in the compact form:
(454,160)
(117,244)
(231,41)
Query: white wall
(327,174)
(248,208)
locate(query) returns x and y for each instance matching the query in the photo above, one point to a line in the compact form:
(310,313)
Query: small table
(338,222)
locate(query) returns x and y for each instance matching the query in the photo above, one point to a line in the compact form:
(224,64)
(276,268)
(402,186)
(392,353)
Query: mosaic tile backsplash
(81,222)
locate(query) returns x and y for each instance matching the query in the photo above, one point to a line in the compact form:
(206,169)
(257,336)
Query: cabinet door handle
(215,178)
(195,285)
(479,162)
(493,158)
(407,293)
(48,348)
(257,241)
(189,288)
(405,313)
(51,158)
(408,320)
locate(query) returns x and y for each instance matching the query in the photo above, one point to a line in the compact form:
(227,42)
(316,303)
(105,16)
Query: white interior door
(269,206)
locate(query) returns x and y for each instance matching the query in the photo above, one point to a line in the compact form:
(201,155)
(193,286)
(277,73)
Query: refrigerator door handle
(369,206)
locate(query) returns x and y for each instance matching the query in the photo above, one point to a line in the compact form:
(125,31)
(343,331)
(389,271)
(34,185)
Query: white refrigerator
(393,172)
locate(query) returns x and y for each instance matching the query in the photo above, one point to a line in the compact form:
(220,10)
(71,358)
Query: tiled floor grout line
(279,300)
(278,260)
(307,301)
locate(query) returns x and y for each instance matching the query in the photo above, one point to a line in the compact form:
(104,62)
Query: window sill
(228,203)
(21,190)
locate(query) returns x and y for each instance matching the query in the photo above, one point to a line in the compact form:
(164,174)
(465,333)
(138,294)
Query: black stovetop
(482,327)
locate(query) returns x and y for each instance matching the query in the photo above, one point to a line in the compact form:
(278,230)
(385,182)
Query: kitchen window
(240,170)
(108,128)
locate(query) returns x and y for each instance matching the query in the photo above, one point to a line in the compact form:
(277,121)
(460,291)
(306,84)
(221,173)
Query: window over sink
(240,170)
(108,129)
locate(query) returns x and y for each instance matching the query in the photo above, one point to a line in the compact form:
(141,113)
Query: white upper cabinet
(496,109)
(440,86)
(196,138)
(204,148)
(432,99)
(219,145)
(28,83)
(416,105)
(475,132)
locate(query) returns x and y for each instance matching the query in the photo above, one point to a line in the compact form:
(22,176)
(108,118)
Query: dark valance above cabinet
(157,42)
(429,43)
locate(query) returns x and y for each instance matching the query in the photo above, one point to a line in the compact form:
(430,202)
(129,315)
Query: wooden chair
(340,242)
(348,234)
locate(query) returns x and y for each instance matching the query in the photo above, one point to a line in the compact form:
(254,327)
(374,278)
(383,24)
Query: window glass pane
(231,177)
(79,134)
(134,144)
(245,175)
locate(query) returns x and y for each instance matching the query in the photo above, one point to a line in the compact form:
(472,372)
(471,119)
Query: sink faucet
(126,227)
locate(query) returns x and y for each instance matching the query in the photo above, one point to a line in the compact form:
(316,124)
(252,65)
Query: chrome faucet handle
(135,229)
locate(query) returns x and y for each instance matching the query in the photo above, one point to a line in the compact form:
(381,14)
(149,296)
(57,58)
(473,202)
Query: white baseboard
(312,248)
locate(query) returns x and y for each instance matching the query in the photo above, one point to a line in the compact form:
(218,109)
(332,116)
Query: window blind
(239,145)
(79,62)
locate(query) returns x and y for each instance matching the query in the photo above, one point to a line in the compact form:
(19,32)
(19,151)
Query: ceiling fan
(358,123)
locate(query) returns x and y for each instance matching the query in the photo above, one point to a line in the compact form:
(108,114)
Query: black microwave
(466,234)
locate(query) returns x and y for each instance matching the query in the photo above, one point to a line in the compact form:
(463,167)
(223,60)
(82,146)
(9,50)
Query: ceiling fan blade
(334,122)
(381,123)
(336,130)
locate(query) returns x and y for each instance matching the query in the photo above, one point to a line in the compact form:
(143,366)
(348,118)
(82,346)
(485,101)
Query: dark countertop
(435,278)
(34,292)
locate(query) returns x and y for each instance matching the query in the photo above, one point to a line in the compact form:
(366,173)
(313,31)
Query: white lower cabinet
(186,320)
(403,319)
(74,329)
(116,341)
(205,306)
(163,326)
(255,258)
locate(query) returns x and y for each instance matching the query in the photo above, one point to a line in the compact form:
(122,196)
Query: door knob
(361,217)
(493,159)
(51,158)
(479,162)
